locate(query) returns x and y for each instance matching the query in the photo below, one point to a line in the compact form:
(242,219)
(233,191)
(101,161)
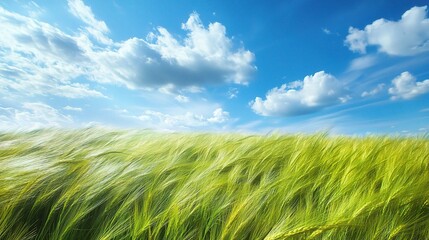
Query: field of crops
(103,184)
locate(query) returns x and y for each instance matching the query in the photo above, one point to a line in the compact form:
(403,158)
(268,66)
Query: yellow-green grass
(103,184)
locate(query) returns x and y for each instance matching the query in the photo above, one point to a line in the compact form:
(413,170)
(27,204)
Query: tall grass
(98,184)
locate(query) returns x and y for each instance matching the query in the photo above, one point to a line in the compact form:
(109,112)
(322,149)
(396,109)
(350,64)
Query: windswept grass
(98,184)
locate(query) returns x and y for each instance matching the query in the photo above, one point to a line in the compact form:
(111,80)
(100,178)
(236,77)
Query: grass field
(103,184)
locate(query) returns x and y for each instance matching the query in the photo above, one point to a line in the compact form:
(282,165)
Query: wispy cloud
(159,120)
(182,99)
(75,109)
(96,28)
(326,31)
(232,93)
(50,60)
(362,63)
(380,87)
(32,116)
(33,9)
(39,59)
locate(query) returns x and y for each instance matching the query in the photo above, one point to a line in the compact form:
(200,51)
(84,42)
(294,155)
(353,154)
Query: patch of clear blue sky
(288,42)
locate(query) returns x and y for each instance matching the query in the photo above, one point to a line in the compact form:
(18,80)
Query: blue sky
(354,67)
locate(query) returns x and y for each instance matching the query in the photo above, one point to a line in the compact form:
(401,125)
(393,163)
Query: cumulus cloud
(182,121)
(219,116)
(32,116)
(406,87)
(38,58)
(405,37)
(301,97)
(205,57)
(374,91)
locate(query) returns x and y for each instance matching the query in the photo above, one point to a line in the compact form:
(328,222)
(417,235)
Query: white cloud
(38,58)
(26,36)
(326,31)
(374,91)
(356,40)
(33,9)
(313,93)
(76,90)
(363,62)
(232,93)
(205,57)
(32,116)
(75,109)
(406,87)
(173,121)
(219,116)
(159,120)
(182,99)
(405,37)
(98,29)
